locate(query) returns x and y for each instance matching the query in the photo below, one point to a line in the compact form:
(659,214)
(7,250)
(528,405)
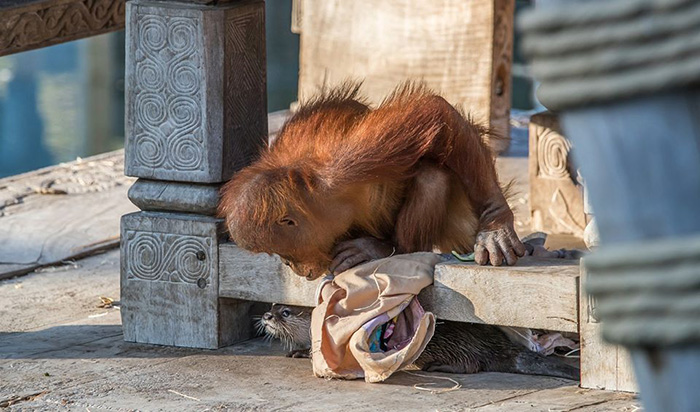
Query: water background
(67,101)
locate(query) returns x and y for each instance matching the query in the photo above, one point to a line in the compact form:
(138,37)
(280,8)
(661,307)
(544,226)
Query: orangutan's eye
(286,262)
(287,221)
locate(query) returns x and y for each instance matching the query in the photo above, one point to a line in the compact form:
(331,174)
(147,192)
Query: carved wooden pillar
(195,113)
(628,89)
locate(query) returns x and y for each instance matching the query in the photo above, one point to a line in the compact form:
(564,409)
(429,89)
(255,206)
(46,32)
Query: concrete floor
(59,351)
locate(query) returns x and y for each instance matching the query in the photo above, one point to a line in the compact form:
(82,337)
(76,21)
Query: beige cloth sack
(353,304)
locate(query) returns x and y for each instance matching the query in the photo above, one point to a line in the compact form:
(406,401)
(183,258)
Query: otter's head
(290,324)
(287,211)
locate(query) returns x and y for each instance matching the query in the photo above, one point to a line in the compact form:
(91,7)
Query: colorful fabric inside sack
(368,322)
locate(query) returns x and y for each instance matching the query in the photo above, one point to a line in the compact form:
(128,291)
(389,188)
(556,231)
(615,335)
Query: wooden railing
(33,24)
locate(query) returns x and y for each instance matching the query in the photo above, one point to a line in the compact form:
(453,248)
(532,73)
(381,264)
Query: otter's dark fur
(291,325)
(456,347)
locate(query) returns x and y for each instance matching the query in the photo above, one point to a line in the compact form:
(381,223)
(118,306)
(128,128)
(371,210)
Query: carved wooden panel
(166,108)
(168,257)
(196,105)
(26,25)
(556,198)
(170,279)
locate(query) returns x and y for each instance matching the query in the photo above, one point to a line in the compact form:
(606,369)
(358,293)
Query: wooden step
(536,293)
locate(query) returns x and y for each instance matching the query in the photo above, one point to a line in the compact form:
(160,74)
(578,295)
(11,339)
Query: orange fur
(413,171)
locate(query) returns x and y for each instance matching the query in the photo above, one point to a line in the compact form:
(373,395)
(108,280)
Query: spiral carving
(168,94)
(181,32)
(153,33)
(168,257)
(185,154)
(39,24)
(150,76)
(184,78)
(552,155)
(150,150)
(150,108)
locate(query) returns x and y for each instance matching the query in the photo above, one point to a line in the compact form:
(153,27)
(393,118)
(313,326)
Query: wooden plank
(461,49)
(32,24)
(603,365)
(536,293)
(261,277)
(61,213)
(501,80)
(567,398)
(30,302)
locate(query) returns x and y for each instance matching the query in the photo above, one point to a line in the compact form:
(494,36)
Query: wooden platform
(59,351)
(536,293)
(62,212)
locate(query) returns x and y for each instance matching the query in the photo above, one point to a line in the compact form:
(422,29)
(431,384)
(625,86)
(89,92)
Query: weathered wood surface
(58,330)
(556,198)
(170,283)
(31,24)
(603,365)
(536,293)
(461,49)
(261,277)
(196,103)
(566,399)
(175,196)
(61,212)
(57,295)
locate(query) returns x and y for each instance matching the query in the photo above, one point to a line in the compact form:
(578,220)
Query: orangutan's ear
(287,221)
(305,179)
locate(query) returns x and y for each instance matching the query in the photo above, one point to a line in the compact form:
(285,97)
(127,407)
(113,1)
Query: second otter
(456,347)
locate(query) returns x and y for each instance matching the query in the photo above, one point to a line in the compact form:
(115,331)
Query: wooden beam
(537,293)
(32,24)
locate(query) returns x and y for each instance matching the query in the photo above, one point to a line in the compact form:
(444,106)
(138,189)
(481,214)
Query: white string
(421,386)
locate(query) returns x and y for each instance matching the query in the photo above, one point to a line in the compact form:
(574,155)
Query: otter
(291,325)
(456,347)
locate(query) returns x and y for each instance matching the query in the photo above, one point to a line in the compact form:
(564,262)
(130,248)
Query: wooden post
(629,101)
(195,113)
(603,365)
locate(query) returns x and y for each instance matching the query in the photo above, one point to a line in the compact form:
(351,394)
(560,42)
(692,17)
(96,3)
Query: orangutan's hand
(351,253)
(496,245)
